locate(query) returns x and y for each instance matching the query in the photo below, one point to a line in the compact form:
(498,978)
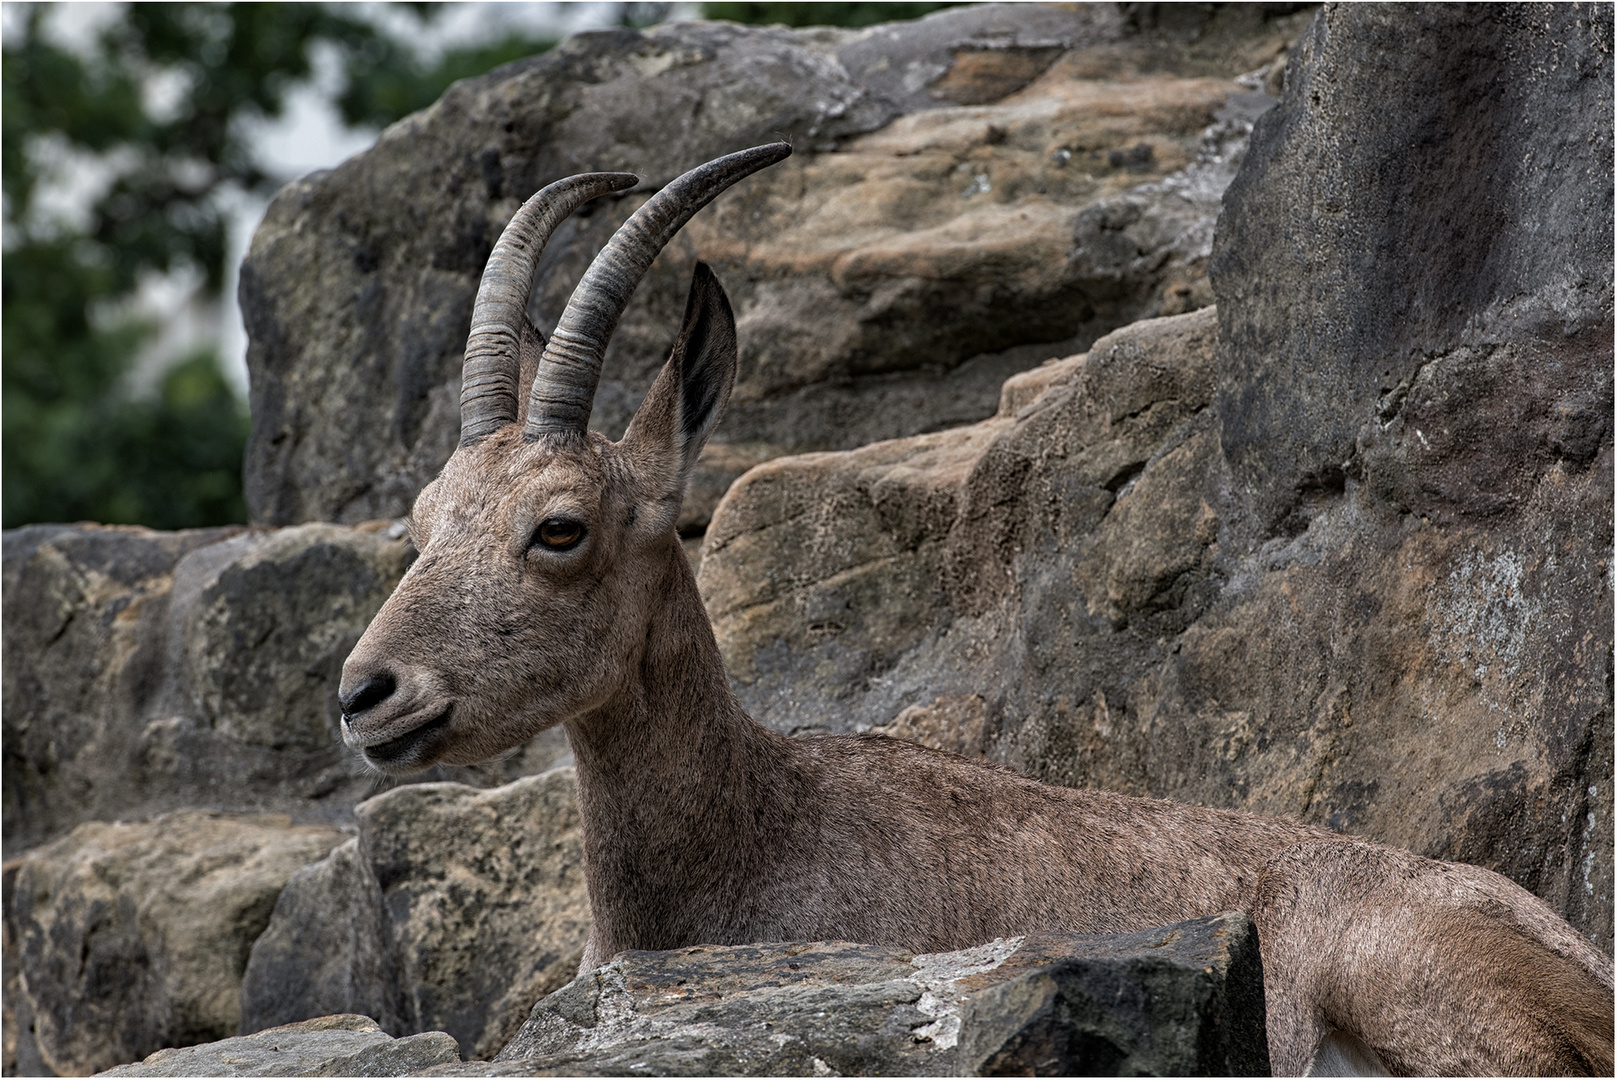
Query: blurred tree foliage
(150,117)
(826,14)
(385,81)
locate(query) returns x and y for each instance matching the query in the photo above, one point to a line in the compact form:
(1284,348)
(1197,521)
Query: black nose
(373,690)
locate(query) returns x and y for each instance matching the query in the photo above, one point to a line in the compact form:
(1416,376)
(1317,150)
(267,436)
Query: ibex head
(544,546)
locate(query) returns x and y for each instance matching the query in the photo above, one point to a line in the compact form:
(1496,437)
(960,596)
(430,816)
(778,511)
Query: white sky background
(309,135)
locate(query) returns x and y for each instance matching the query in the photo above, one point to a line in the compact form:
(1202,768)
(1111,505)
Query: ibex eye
(559,534)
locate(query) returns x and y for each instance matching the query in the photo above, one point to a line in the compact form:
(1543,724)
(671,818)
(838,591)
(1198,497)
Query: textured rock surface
(1184,1000)
(966,189)
(1469,217)
(454,909)
(130,938)
(1145,588)
(150,671)
(19,1054)
(829,577)
(344,1045)
(1065,592)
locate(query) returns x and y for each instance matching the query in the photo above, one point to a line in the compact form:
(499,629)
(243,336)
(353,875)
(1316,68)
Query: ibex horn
(564,388)
(488,381)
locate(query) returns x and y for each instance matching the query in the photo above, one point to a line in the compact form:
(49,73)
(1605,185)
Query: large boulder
(1144,579)
(1184,1000)
(149,671)
(454,909)
(844,586)
(970,194)
(133,937)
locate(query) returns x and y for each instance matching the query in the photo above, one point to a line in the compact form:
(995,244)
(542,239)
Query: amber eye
(559,534)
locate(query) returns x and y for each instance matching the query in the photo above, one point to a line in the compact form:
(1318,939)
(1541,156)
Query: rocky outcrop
(1340,551)
(965,191)
(328,1046)
(830,576)
(1184,1000)
(454,909)
(133,937)
(148,672)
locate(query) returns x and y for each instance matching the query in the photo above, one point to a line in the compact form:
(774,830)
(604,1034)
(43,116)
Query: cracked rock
(1183,1000)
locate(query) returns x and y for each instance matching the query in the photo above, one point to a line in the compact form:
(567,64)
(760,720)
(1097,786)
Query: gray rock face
(1184,1000)
(966,190)
(1469,216)
(1125,578)
(131,938)
(329,1046)
(1063,589)
(73,596)
(454,909)
(844,586)
(150,671)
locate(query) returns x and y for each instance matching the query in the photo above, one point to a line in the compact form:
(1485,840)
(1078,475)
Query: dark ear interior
(705,353)
(672,424)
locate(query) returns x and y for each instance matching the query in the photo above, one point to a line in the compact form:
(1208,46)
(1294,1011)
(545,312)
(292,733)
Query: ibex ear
(686,401)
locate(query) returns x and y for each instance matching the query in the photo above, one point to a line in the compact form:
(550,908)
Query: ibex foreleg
(1435,968)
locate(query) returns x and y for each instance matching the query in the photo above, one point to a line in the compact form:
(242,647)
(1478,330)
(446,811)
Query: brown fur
(702,826)
(1443,969)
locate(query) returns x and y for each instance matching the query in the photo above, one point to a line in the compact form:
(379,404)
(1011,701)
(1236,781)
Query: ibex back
(551,589)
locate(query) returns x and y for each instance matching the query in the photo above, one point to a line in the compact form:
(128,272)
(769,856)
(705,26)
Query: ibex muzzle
(551,589)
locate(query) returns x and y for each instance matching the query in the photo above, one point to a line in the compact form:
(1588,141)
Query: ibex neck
(666,770)
(677,698)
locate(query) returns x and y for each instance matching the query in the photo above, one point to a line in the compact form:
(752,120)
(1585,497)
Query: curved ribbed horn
(488,381)
(564,389)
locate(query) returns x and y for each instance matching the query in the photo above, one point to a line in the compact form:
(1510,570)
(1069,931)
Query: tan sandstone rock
(133,937)
(969,195)
(454,910)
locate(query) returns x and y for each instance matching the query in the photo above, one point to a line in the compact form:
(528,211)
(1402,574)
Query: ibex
(551,589)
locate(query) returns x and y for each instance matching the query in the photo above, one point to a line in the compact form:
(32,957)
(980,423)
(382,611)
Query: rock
(1129,566)
(966,190)
(953,724)
(1466,217)
(20,1054)
(79,601)
(1076,569)
(824,574)
(1183,1000)
(326,950)
(329,1046)
(133,937)
(151,671)
(454,909)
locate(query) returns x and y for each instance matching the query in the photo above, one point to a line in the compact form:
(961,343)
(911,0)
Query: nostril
(373,690)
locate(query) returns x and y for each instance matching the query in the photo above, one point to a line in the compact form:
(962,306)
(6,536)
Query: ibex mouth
(411,751)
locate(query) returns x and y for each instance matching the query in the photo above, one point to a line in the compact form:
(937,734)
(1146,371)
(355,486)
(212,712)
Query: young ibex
(551,589)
